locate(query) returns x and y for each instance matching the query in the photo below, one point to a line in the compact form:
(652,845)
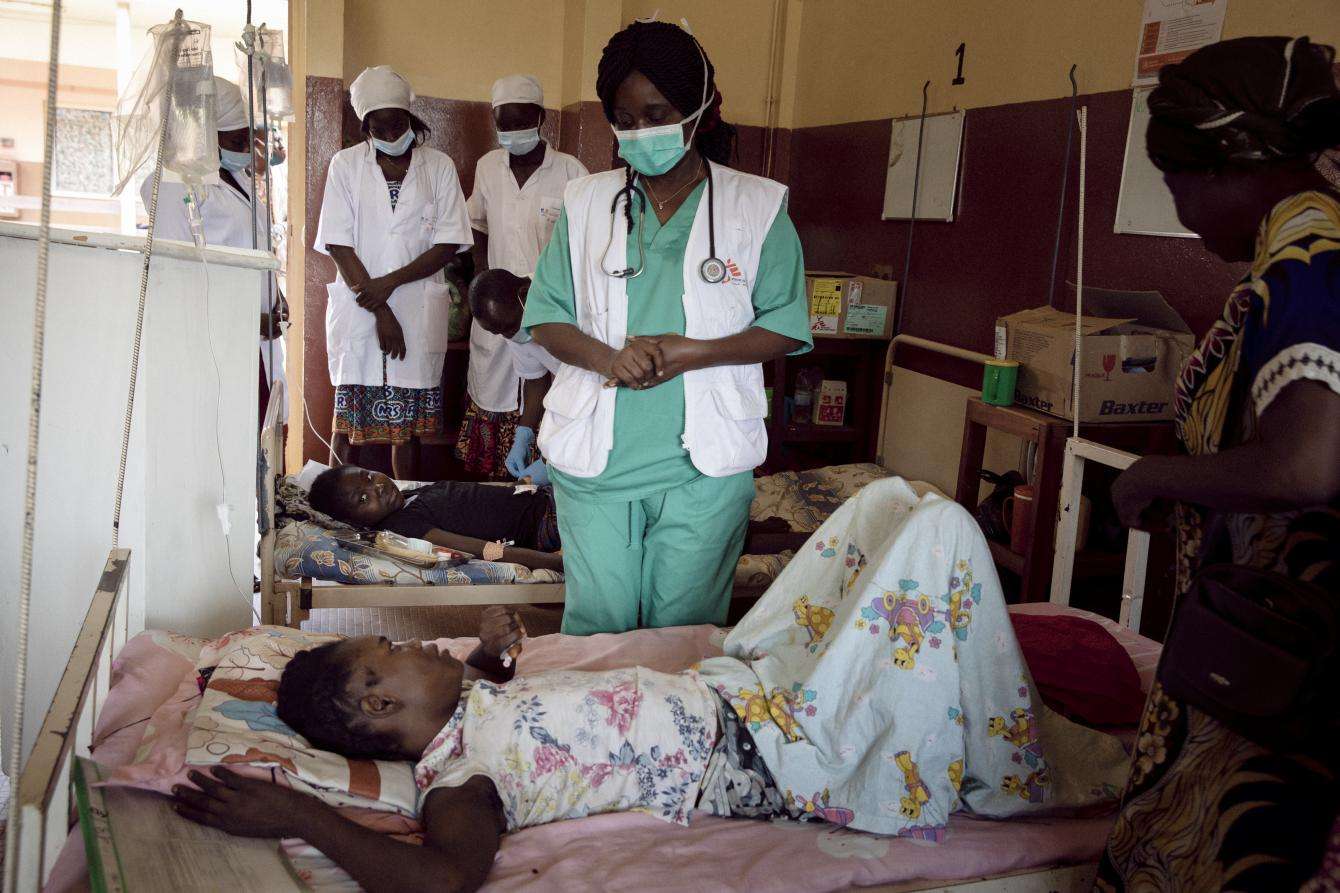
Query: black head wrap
(672,59)
(1252,100)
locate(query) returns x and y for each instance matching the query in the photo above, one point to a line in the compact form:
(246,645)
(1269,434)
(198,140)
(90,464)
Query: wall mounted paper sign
(1171,30)
(1144,204)
(940,151)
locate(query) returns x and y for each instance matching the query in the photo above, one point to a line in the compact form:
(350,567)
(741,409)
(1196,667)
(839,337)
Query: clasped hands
(649,360)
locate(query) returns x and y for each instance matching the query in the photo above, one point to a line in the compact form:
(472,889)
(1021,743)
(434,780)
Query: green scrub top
(648,455)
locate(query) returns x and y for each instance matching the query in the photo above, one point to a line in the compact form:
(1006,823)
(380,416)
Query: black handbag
(1257,651)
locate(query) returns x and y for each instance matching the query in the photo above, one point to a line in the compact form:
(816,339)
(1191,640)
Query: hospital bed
(1025,855)
(908,447)
(1022,856)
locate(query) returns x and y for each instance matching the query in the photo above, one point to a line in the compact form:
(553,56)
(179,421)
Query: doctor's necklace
(660,204)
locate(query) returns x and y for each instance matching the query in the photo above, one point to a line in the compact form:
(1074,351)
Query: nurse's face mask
(234,162)
(382,123)
(395,148)
(651,151)
(511,120)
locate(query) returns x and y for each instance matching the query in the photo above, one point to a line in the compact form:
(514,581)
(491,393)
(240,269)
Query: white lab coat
(356,211)
(518,221)
(225,220)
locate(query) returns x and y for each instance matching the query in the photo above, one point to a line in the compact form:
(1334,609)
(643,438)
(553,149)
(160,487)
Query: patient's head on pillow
(365,697)
(355,495)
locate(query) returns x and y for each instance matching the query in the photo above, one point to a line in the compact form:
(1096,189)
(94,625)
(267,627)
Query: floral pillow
(236,723)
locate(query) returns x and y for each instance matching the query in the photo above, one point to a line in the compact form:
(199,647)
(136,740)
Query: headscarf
(517,88)
(379,88)
(230,110)
(672,59)
(1252,100)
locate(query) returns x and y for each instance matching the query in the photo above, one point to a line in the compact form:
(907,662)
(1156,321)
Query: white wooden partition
(43,788)
(1077,452)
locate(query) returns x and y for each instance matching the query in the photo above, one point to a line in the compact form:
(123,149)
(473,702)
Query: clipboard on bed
(135,841)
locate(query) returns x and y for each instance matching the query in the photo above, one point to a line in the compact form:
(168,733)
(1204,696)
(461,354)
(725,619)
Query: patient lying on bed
(455,514)
(877,685)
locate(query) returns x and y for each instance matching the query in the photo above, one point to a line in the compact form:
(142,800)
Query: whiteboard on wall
(1144,204)
(940,151)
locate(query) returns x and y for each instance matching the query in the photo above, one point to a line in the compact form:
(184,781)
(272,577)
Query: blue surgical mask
(234,162)
(522,336)
(519,142)
(397,148)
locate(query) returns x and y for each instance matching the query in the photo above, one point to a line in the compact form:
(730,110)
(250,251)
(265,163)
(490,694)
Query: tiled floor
(401,624)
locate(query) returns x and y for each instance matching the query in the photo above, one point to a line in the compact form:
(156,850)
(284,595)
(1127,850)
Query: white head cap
(230,110)
(521,88)
(379,88)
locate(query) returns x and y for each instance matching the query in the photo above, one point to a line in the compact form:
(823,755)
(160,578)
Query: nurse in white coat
(226,219)
(392,216)
(517,197)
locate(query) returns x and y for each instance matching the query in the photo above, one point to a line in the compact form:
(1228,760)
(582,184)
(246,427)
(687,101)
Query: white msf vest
(724,406)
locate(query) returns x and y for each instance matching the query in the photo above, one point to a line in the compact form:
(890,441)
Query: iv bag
(174,82)
(271,78)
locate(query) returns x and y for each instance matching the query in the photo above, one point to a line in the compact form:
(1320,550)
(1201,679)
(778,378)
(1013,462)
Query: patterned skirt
(386,414)
(484,441)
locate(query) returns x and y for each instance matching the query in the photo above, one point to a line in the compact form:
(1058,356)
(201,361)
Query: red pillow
(1081,671)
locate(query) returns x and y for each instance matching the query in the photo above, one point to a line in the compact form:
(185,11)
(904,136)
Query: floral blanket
(883,684)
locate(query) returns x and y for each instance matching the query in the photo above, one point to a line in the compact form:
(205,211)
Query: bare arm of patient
(463,827)
(475,546)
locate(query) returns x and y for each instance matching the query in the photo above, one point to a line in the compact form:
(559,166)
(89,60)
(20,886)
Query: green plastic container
(998,380)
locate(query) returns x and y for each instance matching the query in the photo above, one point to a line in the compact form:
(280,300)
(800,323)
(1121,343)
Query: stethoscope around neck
(712,270)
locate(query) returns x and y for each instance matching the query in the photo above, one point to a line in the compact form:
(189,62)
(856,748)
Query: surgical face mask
(651,151)
(519,142)
(234,162)
(397,148)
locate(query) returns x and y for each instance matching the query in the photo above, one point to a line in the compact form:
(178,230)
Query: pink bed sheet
(628,851)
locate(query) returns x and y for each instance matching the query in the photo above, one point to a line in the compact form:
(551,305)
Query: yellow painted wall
(866,59)
(737,36)
(456,49)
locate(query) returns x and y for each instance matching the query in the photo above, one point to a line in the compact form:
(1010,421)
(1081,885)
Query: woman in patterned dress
(1244,131)
(392,217)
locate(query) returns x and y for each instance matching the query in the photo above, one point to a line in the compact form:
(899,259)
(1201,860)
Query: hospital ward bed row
(147,706)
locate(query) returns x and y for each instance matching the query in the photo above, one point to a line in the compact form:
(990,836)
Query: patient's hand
(244,806)
(499,629)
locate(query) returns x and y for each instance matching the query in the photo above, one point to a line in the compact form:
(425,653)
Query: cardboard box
(1133,349)
(847,306)
(831,408)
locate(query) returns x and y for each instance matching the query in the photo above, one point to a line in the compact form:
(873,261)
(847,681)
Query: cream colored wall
(456,49)
(866,59)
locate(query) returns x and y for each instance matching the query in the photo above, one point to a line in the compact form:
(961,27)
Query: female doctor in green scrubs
(655,420)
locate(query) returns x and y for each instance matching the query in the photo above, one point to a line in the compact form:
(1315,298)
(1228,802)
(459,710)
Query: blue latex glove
(538,473)
(519,456)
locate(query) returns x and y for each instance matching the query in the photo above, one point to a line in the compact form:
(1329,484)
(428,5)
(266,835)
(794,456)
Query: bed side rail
(1077,452)
(44,785)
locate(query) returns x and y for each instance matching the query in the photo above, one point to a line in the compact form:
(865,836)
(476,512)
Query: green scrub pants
(664,560)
